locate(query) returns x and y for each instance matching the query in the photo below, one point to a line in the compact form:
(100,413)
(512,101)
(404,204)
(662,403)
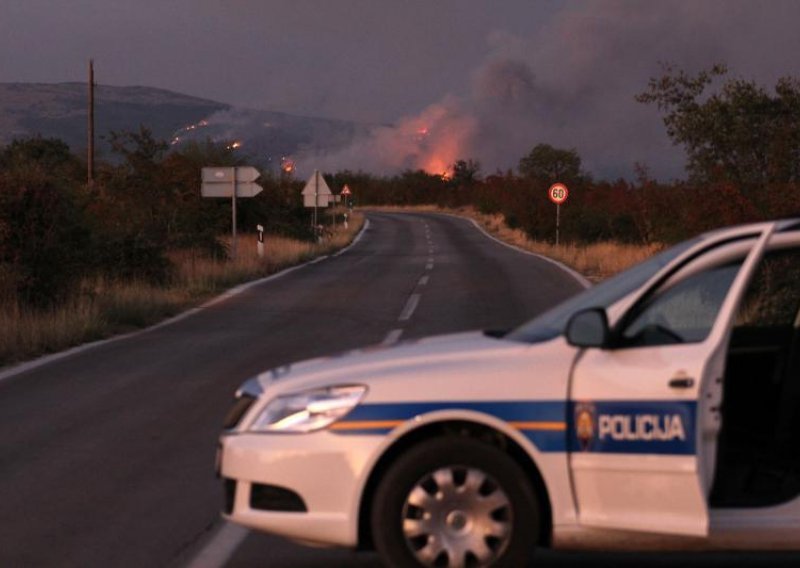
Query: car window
(552,323)
(772,299)
(685,312)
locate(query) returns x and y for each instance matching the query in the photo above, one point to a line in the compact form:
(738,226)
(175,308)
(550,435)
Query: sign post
(346,193)
(230,182)
(558,194)
(316,195)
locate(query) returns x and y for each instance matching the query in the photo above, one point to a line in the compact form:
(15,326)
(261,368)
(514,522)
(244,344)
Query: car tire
(454,501)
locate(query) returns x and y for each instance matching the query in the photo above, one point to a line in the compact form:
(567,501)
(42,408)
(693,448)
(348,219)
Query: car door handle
(681,383)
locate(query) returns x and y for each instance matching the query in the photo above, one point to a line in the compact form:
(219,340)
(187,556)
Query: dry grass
(101,308)
(596,261)
(24,333)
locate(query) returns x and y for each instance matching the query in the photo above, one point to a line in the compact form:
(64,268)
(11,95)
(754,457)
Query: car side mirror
(588,328)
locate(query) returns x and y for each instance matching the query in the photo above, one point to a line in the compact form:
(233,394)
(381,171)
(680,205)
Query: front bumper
(325,471)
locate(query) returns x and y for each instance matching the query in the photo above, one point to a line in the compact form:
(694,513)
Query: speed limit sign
(558,193)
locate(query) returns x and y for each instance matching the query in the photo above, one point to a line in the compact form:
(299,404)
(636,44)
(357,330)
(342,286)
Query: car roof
(748,228)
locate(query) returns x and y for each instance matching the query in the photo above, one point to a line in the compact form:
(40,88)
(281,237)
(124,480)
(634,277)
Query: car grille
(273,498)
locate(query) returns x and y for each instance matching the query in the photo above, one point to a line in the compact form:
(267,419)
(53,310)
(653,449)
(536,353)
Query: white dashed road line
(413,301)
(392,337)
(408,310)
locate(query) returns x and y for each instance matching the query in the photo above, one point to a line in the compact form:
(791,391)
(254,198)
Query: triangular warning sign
(316,185)
(346,190)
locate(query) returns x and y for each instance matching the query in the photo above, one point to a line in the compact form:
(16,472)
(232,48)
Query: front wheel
(455,502)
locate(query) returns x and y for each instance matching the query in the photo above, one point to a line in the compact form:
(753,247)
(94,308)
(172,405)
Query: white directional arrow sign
(246,189)
(247,174)
(223,175)
(219,175)
(220,182)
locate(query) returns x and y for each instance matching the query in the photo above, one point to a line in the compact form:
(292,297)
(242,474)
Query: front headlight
(309,410)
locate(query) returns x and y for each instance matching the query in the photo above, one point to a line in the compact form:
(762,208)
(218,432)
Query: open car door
(646,409)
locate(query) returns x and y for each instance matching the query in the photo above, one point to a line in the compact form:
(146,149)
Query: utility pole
(233,212)
(90,149)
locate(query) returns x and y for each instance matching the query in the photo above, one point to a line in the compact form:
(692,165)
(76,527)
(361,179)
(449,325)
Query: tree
(141,150)
(139,192)
(44,239)
(38,160)
(741,134)
(549,164)
(466,173)
(44,242)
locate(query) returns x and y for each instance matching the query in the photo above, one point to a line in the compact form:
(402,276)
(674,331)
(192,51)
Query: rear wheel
(455,502)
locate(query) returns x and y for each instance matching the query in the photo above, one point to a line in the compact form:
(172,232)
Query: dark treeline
(743,163)
(643,211)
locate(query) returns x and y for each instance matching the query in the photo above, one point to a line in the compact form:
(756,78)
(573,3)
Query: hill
(60,110)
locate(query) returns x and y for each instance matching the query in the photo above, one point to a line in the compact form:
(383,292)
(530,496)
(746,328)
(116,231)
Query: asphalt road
(106,456)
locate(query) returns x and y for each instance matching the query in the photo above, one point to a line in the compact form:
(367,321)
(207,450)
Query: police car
(659,408)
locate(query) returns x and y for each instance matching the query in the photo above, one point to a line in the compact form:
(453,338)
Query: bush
(129,257)
(45,241)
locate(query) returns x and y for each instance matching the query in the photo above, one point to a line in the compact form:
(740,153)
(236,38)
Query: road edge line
(582,280)
(26,366)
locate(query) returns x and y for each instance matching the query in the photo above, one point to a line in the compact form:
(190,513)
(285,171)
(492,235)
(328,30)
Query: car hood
(450,365)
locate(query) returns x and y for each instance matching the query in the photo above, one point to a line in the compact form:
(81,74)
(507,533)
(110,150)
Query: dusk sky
(488,80)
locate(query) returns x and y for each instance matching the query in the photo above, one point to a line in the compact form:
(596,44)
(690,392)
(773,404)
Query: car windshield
(552,323)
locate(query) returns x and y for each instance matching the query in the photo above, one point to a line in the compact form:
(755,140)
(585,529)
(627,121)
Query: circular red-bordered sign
(558,193)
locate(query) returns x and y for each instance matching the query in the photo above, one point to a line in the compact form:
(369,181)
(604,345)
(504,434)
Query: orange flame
(436,165)
(287,165)
(440,139)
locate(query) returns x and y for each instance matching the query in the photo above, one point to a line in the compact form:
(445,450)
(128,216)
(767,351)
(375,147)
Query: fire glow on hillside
(432,141)
(177,138)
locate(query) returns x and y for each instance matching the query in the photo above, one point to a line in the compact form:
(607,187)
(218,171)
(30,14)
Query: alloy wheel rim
(457,517)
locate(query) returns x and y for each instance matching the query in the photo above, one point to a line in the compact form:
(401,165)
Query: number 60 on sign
(558,193)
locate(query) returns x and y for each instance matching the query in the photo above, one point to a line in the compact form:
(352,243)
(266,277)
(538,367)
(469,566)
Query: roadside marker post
(260,244)
(558,194)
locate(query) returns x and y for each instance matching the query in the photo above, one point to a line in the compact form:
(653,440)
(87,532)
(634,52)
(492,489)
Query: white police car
(660,408)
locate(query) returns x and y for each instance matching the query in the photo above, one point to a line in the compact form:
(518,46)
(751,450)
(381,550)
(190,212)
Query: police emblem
(584,424)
